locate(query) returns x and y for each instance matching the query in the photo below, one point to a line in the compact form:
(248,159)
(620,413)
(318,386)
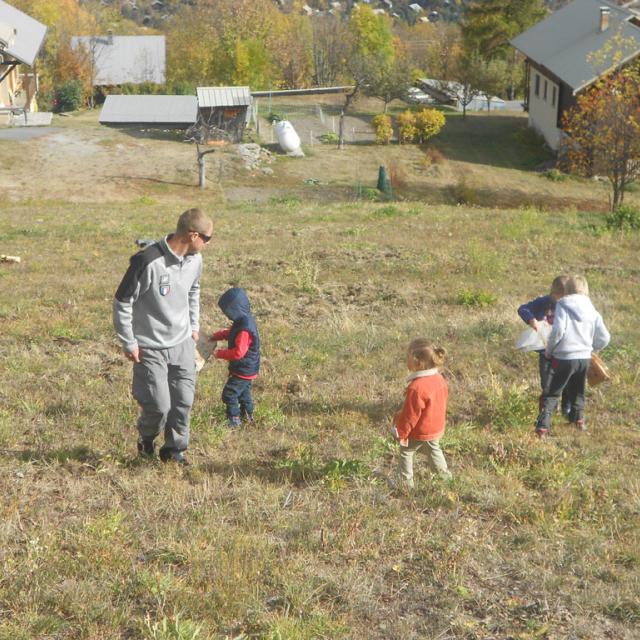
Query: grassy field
(287,530)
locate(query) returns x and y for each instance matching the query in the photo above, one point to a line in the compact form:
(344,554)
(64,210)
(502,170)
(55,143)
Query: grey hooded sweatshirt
(157,305)
(578,329)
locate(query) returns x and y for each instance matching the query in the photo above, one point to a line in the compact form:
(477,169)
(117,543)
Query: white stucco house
(21,38)
(559,58)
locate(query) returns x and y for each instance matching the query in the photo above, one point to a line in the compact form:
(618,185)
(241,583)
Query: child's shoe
(542,433)
(234,422)
(581,425)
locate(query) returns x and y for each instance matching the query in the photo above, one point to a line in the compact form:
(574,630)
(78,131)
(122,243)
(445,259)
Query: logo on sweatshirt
(165,285)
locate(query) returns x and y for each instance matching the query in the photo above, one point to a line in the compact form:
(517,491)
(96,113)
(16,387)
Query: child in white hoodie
(577,330)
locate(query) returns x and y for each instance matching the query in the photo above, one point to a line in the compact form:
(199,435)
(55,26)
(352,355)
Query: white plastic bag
(530,340)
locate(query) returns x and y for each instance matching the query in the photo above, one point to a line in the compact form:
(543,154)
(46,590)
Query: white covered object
(530,340)
(288,139)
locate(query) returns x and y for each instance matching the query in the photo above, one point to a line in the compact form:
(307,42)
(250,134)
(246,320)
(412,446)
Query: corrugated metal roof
(224,96)
(564,41)
(27,33)
(122,59)
(170,110)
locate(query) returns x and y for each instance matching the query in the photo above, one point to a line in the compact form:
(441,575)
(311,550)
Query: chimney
(604,18)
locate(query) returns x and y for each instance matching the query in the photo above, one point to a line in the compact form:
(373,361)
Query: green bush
(470,298)
(624,218)
(69,96)
(462,193)
(407,126)
(329,138)
(428,123)
(383,128)
(555,176)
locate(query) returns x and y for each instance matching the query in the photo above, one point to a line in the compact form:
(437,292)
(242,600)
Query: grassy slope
(264,535)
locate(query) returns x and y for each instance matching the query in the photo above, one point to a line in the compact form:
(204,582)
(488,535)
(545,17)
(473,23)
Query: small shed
(225,108)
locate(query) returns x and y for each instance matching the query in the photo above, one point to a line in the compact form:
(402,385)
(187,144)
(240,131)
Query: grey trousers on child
(164,383)
(436,459)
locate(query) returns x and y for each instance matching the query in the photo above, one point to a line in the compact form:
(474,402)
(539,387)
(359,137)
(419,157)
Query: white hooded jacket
(578,329)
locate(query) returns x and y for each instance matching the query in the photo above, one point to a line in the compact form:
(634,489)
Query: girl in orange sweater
(420,422)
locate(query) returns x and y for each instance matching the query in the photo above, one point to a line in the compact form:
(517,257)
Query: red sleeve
(223,334)
(243,342)
(407,418)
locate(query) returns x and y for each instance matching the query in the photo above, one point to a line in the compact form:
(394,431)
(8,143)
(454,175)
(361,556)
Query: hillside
(287,530)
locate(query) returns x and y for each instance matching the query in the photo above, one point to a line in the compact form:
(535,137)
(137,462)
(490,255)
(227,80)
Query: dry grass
(285,531)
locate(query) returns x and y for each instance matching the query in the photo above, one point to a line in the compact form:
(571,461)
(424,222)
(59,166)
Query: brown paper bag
(598,371)
(204,348)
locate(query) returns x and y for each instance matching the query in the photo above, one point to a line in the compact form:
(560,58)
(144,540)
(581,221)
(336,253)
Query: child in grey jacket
(578,329)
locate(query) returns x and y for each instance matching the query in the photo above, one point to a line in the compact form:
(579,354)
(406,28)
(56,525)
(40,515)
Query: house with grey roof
(117,60)
(560,60)
(21,38)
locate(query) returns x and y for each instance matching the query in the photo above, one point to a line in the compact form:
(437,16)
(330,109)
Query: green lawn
(287,530)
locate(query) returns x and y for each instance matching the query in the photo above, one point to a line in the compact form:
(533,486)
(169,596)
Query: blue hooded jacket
(234,303)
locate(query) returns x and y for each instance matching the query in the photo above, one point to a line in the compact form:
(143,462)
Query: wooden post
(201,170)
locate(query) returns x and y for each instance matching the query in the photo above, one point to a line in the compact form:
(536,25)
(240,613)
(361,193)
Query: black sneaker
(169,455)
(146,448)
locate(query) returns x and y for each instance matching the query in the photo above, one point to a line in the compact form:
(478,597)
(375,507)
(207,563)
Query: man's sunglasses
(204,236)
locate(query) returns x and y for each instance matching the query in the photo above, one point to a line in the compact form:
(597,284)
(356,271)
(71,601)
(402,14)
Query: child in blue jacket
(537,310)
(242,353)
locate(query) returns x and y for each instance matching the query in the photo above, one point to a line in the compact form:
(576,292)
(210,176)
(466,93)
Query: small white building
(21,38)
(120,60)
(559,64)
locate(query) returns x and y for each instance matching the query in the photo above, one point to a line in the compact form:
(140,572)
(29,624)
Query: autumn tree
(489,25)
(444,51)
(602,131)
(58,64)
(330,45)
(371,50)
(468,74)
(493,79)
(391,81)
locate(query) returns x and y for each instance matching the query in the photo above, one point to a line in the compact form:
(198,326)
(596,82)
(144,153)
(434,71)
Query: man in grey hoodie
(156,313)
(578,329)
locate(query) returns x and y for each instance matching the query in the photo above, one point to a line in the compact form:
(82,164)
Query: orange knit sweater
(425,406)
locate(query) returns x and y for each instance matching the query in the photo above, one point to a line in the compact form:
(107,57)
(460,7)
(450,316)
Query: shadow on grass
(170,135)
(497,140)
(265,469)
(80,454)
(502,198)
(377,412)
(154,181)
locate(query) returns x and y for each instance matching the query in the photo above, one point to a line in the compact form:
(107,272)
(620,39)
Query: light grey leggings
(164,383)
(436,459)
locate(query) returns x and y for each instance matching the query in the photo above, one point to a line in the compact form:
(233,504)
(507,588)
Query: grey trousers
(436,459)
(164,383)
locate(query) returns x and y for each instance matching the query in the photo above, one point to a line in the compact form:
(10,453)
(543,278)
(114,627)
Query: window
(553,95)
(544,95)
(537,87)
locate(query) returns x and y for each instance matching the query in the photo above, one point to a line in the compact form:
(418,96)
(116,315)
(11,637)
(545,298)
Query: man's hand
(134,355)
(533,323)
(195,335)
